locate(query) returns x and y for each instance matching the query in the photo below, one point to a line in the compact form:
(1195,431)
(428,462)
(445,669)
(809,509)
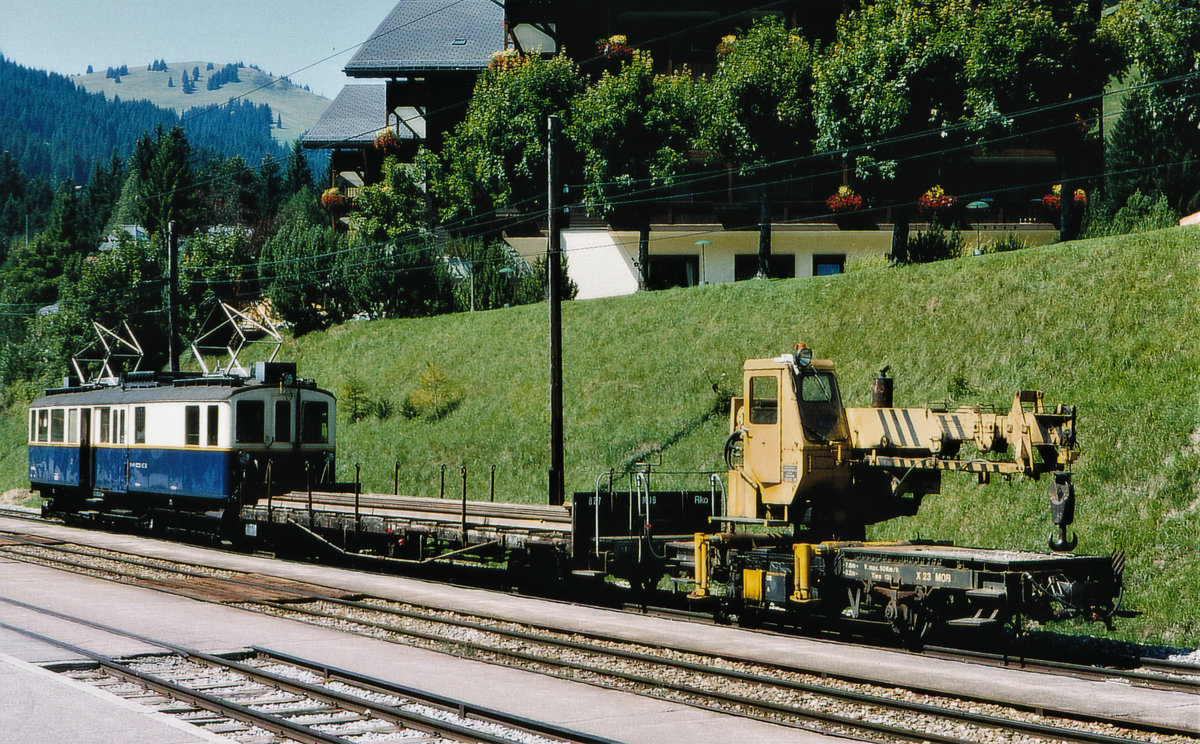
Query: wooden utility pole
(172,297)
(553,269)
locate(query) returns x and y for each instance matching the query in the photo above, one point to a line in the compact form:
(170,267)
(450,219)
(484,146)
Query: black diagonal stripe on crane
(912,428)
(887,431)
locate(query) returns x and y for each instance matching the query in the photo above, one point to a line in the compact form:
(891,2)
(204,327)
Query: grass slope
(299,108)
(1108,325)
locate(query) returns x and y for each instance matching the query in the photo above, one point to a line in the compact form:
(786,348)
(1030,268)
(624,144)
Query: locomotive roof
(190,390)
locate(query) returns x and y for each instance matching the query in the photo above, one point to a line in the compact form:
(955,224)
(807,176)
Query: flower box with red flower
(614,47)
(1053,201)
(506,59)
(334,200)
(844,200)
(936,201)
(387,141)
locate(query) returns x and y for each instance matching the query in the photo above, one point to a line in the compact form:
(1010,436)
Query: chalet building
(425,56)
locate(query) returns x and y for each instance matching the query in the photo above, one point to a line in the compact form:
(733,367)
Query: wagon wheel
(911,622)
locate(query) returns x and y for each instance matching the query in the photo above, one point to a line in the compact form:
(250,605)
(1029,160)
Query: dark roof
(115,395)
(424,35)
(354,117)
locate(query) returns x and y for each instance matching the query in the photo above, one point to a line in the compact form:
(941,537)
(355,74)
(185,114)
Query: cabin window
(73,425)
(191,422)
(821,406)
(764,400)
(214,419)
(315,425)
(58,425)
(139,425)
(105,416)
(283,421)
(119,426)
(250,421)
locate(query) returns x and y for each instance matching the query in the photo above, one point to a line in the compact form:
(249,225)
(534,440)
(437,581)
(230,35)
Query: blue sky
(282,38)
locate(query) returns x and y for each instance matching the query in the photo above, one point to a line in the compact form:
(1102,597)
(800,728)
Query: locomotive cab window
(73,425)
(103,419)
(764,400)
(283,421)
(191,419)
(214,419)
(250,421)
(32,425)
(58,426)
(315,423)
(43,426)
(139,425)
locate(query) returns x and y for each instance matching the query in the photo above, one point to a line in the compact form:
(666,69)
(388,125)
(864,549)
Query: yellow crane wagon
(807,475)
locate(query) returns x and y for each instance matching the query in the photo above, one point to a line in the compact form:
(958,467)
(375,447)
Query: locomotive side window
(73,425)
(283,421)
(191,423)
(32,425)
(315,422)
(119,426)
(250,421)
(58,418)
(214,419)
(105,416)
(764,400)
(43,430)
(139,425)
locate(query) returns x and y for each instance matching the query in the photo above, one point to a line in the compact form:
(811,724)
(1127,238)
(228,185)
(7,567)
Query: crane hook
(1060,544)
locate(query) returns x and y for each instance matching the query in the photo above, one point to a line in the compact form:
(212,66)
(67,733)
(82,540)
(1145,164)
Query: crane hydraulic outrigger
(799,459)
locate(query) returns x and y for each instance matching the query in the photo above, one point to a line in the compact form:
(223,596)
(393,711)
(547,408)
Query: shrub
(436,398)
(934,244)
(1010,242)
(1140,213)
(354,399)
(383,409)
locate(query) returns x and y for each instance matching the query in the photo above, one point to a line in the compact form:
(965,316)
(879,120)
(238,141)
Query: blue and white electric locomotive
(180,441)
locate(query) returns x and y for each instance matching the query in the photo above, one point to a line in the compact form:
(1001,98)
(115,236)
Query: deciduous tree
(633,130)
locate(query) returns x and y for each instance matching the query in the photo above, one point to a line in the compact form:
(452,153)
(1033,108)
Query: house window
(674,271)
(828,264)
(214,420)
(250,425)
(191,418)
(779,266)
(139,425)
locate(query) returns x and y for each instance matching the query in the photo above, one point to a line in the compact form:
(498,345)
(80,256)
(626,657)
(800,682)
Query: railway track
(270,697)
(792,696)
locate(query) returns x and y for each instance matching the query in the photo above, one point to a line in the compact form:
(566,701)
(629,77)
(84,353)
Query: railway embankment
(1105,325)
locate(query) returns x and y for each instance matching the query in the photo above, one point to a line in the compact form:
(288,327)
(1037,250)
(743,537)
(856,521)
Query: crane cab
(788,441)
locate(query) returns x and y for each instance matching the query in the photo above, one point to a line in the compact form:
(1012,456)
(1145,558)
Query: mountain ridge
(297,107)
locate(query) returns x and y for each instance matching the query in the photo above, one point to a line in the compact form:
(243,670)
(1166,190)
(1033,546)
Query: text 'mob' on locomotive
(200,441)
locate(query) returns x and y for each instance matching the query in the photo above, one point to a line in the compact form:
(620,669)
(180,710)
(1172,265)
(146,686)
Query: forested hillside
(181,86)
(58,131)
